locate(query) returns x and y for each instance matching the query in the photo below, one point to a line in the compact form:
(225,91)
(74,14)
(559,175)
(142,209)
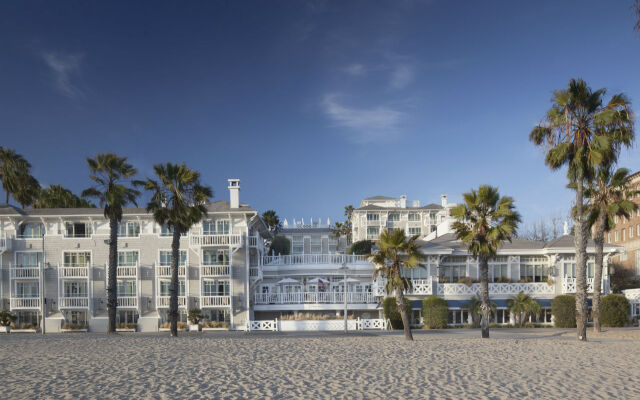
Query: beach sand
(540,363)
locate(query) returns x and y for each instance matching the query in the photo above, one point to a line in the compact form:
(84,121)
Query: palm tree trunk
(402,307)
(6,196)
(580,244)
(173,290)
(112,275)
(484,296)
(597,273)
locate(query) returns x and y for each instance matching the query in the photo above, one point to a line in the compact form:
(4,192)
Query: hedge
(614,310)
(563,309)
(391,312)
(360,247)
(435,312)
(280,246)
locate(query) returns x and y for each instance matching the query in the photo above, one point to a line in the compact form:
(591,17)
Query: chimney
(403,201)
(443,200)
(234,193)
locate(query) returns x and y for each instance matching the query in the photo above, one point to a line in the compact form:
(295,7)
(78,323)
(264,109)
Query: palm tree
(179,200)
(636,8)
(114,189)
(14,169)
(483,222)
(272,220)
(608,196)
(521,305)
(395,254)
(55,196)
(28,190)
(344,228)
(582,132)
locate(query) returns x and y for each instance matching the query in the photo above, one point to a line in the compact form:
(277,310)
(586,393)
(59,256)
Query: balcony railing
(5,243)
(20,303)
(73,272)
(421,287)
(127,271)
(314,259)
(26,272)
(215,270)
(254,272)
(569,285)
(461,289)
(73,302)
(215,301)
(128,302)
(215,240)
(163,301)
(314,298)
(164,271)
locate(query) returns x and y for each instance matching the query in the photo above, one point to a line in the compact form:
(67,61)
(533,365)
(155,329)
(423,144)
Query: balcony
(314,298)
(198,240)
(530,288)
(66,302)
(421,287)
(127,302)
(210,271)
(215,301)
(163,301)
(25,272)
(337,259)
(569,285)
(25,303)
(127,272)
(164,271)
(73,272)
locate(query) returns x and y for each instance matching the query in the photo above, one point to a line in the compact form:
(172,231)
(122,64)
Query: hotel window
(165,258)
(373,232)
(393,217)
(75,289)
(215,257)
(297,244)
(127,258)
(126,317)
(569,269)
(316,245)
(333,244)
(615,219)
(77,258)
(498,270)
(615,234)
(129,229)
(609,237)
(77,229)
(534,269)
(502,316)
(78,317)
(590,269)
(454,270)
(219,227)
(165,287)
(630,232)
(624,234)
(166,230)
(28,259)
(373,217)
(215,288)
(127,288)
(415,230)
(414,217)
(27,289)
(31,230)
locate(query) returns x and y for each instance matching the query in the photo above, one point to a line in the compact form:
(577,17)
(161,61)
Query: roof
(372,207)
(12,211)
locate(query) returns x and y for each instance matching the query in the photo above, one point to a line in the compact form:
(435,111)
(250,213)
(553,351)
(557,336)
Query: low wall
(320,325)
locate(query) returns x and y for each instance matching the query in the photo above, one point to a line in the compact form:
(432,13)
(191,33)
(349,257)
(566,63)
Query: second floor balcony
(212,271)
(24,303)
(73,272)
(199,239)
(335,259)
(25,272)
(314,298)
(73,301)
(163,301)
(127,301)
(164,271)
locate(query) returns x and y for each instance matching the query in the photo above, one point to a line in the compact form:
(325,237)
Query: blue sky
(313,105)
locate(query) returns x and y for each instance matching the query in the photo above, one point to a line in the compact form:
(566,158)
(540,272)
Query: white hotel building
(226,271)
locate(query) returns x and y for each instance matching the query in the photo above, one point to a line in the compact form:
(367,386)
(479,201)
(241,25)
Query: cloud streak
(63,67)
(365,125)
(402,76)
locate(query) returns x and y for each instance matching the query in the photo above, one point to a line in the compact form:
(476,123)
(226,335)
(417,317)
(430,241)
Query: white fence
(317,325)
(314,259)
(163,301)
(532,288)
(126,271)
(314,298)
(215,270)
(215,301)
(128,302)
(164,271)
(264,325)
(73,302)
(25,272)
(24,303)
(569,285)
(215,240)
(73,272)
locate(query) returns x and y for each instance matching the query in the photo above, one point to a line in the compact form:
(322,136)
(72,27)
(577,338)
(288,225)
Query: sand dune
(455,364)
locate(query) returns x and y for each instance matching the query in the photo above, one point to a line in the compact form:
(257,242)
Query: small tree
(344,228)
(391,312)
(360,247)
(280,245)
(272,221)
(615,310)
(522,305)
(194,316)
(435,312)
(6,318)
(563,309)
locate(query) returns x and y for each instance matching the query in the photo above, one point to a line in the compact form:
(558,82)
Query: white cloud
(63,67)
(355,69)
(402,76)
(366,124)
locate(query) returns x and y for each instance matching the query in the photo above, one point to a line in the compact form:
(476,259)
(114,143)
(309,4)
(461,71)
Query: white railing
(73,272)
(215,240)
(254,272)
(632,295)
(314,298)
(73,302)
(531,288)
(5,243)
(24,302)
(128,271)
(264,325)
(569,285)
(163,301)
(215,301)
(314,259)
(421,287)
(27,272)
(215,270)
(164,271)
(128,302)
(364,324)
(253,241)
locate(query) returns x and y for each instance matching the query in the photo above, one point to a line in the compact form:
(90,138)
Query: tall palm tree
(55,196)
(272,220)
(344,228)
(608,196)
(28,190)
(14,169)
(395,254)
(179,200)
(114,189)
(522,305)
(483,222)
(582,132)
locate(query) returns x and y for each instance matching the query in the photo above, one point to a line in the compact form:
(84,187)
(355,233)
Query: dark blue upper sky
(313,105)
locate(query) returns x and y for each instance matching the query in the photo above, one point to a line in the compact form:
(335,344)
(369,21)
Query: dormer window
(31,230)
(77,229)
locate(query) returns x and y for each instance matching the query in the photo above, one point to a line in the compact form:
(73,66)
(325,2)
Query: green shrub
(391,312)
(280,246)
(435,312)
(6,318)
(360,247)
(195,316)
(614,310)
(563,309)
